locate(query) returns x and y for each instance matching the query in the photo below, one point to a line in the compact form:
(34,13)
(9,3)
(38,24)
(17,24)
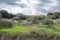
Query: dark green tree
(55,15)
(5,14)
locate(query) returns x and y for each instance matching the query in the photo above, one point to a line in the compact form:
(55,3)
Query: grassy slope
(26,29)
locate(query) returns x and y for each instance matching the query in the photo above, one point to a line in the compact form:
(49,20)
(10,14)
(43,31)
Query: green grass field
(27,29)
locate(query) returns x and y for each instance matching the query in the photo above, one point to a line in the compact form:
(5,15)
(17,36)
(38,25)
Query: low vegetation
(39,27)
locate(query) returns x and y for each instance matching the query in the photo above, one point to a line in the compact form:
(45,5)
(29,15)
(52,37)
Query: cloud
(46,6)
(31,7)
(9,2)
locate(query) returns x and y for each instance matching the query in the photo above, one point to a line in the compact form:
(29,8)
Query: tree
(10,16)
(50,13)
(0,17)
(41,17)
(55,15)
(5,14)
(22,17)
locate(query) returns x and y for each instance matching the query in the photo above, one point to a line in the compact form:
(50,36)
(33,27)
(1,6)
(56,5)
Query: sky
(30,7)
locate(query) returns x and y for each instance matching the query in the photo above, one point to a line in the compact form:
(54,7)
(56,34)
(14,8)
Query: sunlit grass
(26,29)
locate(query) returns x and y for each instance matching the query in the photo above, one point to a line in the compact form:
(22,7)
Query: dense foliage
(22,19)
(5,23)
(29,27)
(55,15)
(5,14)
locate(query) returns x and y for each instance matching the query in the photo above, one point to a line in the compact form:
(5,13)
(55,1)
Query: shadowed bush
(5,24)
(33,21)
(48,21)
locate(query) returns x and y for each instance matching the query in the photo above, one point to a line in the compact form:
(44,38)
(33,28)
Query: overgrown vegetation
(35,26)
(5,24)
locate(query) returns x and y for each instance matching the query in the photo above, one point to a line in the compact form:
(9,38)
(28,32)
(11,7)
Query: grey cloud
(55,9)
(13,2)
(9,2)
(23,5)
(45,4)
(38,7)
(45,1)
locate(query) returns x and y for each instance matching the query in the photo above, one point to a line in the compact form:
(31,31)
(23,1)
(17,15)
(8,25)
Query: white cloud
(48,6)
(9,8)
(32,7)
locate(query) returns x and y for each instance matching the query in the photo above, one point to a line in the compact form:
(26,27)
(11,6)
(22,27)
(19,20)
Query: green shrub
(38,35)
(16,18)
(5,14)
(33,21)
(55,15)
(48,21)
(5,24)
(26,23)
(23,17)
(41,17)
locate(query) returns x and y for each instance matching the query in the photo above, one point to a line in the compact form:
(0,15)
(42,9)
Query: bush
(26,23)
(5,14)
(16,18)
(33,21)
(23,17)
(41,17)
(55,15)
(57,21)
(48,21)
(38,35)
(5,24)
